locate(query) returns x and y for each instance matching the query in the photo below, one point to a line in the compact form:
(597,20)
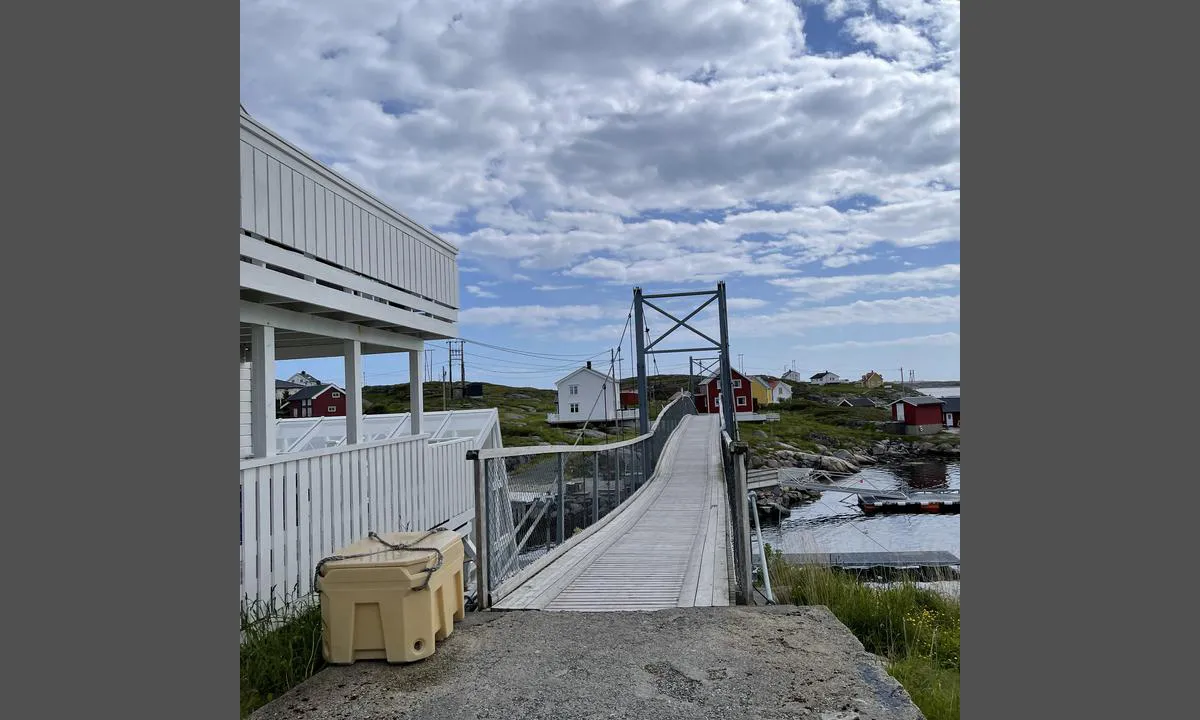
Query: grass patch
(522,410)
(281,647)
(915,629)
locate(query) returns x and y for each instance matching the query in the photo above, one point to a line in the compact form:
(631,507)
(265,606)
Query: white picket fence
(300,508)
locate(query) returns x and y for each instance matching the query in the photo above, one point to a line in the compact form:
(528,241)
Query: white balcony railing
(294,201)
(301,507)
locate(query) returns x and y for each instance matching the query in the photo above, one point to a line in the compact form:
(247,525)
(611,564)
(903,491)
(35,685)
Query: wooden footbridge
(667,547)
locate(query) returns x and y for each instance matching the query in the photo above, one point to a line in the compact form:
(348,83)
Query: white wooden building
(588,395)
(780,391)
(329,270)
(825,378)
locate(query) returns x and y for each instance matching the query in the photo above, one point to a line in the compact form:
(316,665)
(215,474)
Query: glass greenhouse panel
(288,432)
(331,432)
(379,427)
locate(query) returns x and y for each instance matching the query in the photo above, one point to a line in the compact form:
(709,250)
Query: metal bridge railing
(734,456)
(531,501)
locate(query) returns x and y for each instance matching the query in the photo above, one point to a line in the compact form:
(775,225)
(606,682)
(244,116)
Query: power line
(543,356)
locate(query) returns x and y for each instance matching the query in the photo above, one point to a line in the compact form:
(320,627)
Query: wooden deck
(667,549)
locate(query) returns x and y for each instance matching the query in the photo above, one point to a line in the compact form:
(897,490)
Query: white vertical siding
(244,407)
(291,200)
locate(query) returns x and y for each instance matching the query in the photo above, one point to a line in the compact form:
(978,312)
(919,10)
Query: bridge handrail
(490,453)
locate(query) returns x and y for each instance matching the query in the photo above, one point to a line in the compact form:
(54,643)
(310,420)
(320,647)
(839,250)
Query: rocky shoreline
(775,502)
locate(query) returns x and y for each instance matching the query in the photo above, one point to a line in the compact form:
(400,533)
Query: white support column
(262,390)
(354,384)
(416,389)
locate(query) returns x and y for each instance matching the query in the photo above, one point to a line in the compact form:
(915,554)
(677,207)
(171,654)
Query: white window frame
(737,384)
(331,408)
(573,408)
(335,395)
(741,401)
(572,389)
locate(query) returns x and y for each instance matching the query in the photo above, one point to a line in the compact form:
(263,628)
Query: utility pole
(444,389)
(462,368)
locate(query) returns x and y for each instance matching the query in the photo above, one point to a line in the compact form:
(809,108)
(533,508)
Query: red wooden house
(919,415)
(323,400)
(629,398)
(710,390)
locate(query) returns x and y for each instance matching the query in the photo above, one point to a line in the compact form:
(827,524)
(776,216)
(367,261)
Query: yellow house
(760,391)
(872,380)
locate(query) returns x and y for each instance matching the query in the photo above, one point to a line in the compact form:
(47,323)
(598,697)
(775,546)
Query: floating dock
(923,502)
(912,564)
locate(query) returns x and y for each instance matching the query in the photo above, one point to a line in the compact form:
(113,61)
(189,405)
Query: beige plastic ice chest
(391,604)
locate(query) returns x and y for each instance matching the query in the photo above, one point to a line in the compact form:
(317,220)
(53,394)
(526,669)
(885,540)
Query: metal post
(639,338)
(596,489)
(482,592)
(752,499)
(562,498)
(728,403)
(741,492)
(692,378)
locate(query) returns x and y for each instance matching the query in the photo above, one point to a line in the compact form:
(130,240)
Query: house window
(737,383)
(573,389)
(331,408)
(335,395)
(574,407)
(741,401)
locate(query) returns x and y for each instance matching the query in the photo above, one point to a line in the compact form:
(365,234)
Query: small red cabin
(629,398)
(919,415)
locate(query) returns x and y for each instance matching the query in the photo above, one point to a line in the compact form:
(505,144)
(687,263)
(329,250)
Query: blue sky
(806,153)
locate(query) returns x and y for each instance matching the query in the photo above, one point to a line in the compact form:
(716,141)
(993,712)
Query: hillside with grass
(809,421)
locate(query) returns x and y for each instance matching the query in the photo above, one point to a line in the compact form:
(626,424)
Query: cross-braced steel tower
(643,349)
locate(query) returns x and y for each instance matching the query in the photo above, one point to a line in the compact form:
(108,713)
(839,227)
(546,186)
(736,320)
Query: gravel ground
(723,663)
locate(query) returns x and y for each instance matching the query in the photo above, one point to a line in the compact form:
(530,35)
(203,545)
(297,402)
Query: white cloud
(938,340)
(897,311)
(552,288)
(535,315)
(841,261)
(830,287)
(745,303)
(477,291)
(557,142)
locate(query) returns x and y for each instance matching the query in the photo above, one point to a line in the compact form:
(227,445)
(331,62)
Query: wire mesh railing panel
(538,500)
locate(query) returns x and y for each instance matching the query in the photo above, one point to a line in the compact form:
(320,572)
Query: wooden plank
(263,485)
(291,534)
(304,515)
(262,221)
(247,186)
(250,512)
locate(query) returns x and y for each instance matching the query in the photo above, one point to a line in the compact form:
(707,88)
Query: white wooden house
(793,376)
(588,395)
(780,390)
(825,378)
(329,270)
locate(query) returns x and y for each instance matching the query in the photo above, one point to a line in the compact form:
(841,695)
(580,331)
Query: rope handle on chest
(390,547)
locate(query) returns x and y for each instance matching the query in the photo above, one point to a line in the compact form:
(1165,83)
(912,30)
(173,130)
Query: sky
(805,153)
